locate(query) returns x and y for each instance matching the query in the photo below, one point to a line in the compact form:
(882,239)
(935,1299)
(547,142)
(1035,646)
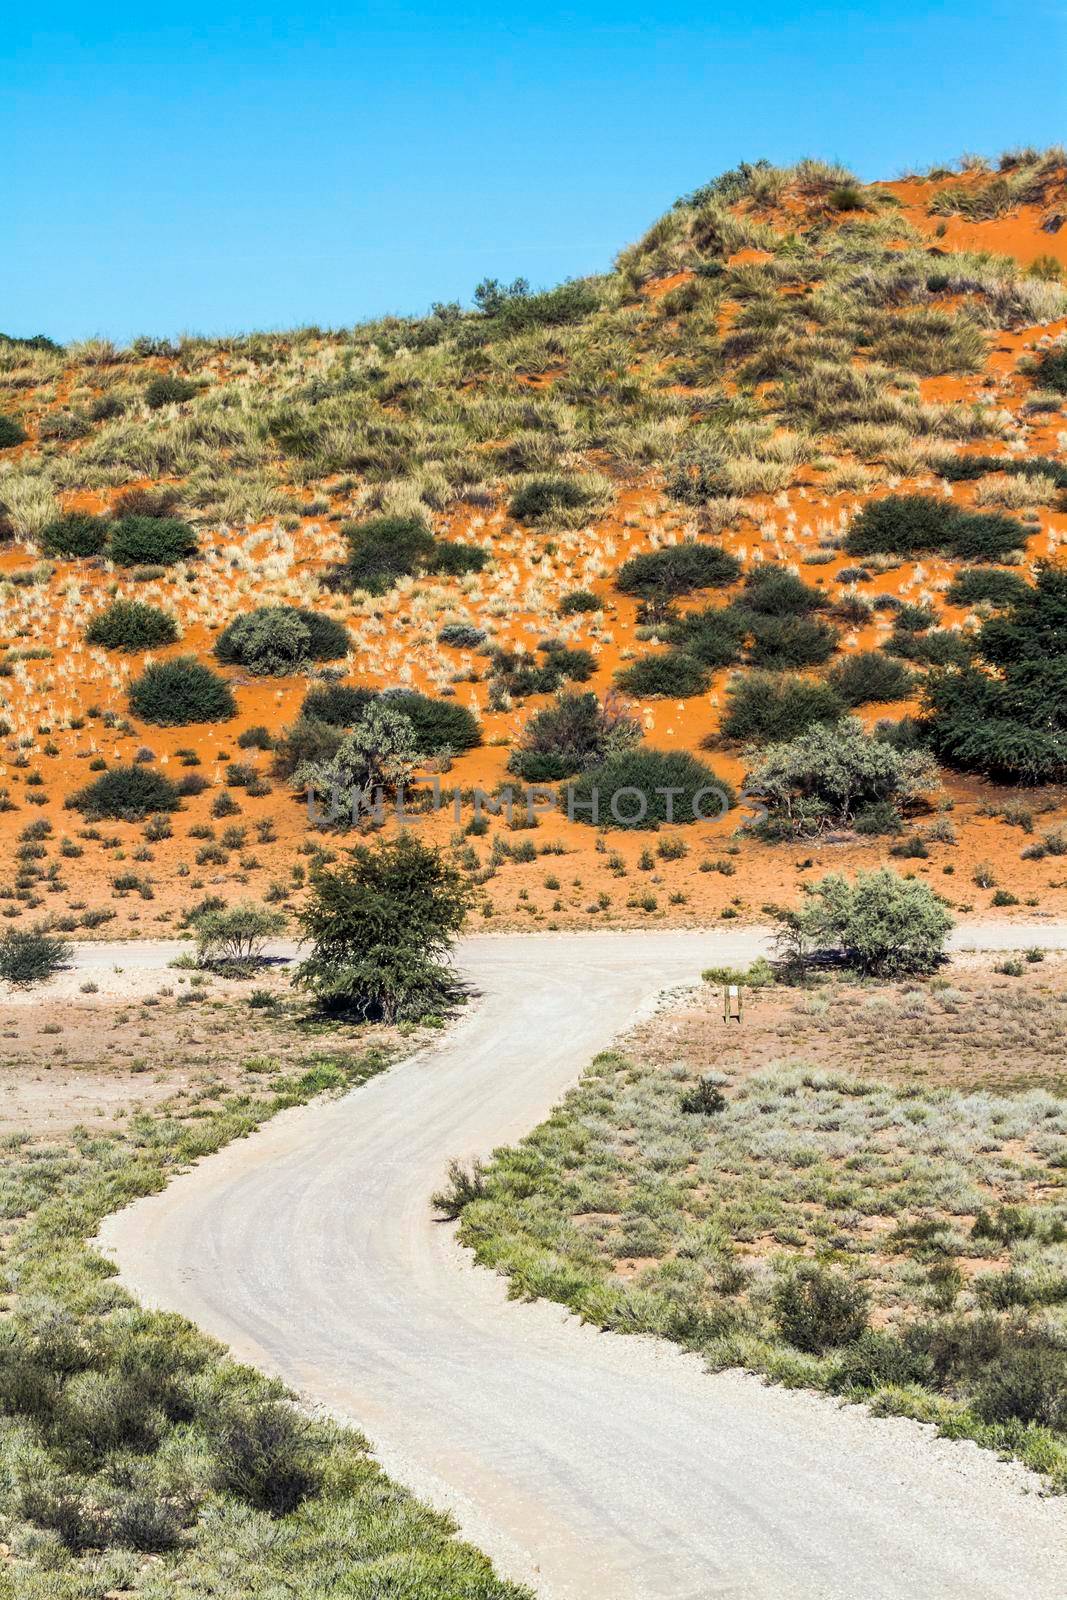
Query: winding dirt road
(593,1466)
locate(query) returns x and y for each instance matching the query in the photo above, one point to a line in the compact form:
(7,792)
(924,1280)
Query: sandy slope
(592,1465)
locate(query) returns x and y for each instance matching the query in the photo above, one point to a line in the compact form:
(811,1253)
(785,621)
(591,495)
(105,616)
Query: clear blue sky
(221,168)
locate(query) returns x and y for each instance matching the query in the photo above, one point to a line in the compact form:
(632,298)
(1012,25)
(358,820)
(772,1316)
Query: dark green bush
(172,693)
(678,569)
(128,794)
(918,524)
(11,433)
(576,601)
(167,390)
(817,1309)
(1051,370)
(671,674)
(870,676)
(384,549)
(151,541)
(943,647)
(75,534)
(131,625)
(30,955)
(1010,721)
(763,707)
(651,773)
(715,636)
(276,640)
(268,1455)
(539,499)
(1025,1385)
(964,468)
(452,559)
(437,724)
(339,704)
(461,635)
(976,585)
(573,733)
(774,592)
(381,928)
(778,642)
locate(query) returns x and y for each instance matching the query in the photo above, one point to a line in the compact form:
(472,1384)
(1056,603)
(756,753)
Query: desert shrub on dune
(1051,369)
(817,1309)
(384,549)
(576,601)
(573,733)
(150,541)
(556,499)
(74,535)
(678,569)
(436,724)
(274,640)
(985,585)
(11,432)
(126,794)
(918,524)
(171,693)
(30,955)
(775,592)
(869,676)
(715,636)
(779,642)
(672,673)
(167,390)
(641,788)
(837,777)
(764,707)
(1008,716)
(131,625)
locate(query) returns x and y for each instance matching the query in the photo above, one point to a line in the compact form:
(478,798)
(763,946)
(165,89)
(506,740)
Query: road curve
(593,1466)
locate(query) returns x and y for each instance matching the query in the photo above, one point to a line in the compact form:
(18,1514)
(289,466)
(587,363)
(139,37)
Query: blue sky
(226,168)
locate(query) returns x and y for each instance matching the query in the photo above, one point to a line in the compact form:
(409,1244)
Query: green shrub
(550,499)
(75,534)
(774,592)
(698,793)
(128,794)
(235,936)
(917,524)
(278,640)
(151,541)
(978,585)
(829,776)
(452,559)
(884,925)
(385,549)
(870,676)
(817,1309)
(436,724)
(1013,725)
(381,928)
(172,693)
(461,635)
(715,636)
(131,625)
(339,704)
(1025,1385)
(763,707)
(777,642)
(678,569)
(11,433)
(578,600)
(30,955)
(168,390)
(673,674)
(572,734)
(1051,370)
(268,1455)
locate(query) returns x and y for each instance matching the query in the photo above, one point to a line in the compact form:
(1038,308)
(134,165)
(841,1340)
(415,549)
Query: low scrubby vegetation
(172,693)
(131,625)
(274,640)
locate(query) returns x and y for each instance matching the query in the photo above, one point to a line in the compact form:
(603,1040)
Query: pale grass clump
(1017,492)
(30,501)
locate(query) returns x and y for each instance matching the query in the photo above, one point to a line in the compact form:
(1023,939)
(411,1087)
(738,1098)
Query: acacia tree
(379,754)
(381,930)
(883,924)
(1008,718)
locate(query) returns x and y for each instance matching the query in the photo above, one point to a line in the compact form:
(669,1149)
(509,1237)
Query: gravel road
(593,1466)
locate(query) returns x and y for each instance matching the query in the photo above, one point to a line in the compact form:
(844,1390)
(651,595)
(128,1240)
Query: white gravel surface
(593,1466)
